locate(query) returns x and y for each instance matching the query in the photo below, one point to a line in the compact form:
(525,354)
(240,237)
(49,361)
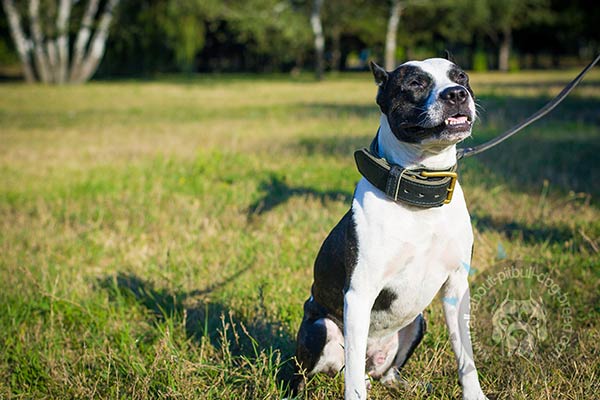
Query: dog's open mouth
(458,123)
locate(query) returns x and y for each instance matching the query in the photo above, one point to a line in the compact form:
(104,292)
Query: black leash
(471,151)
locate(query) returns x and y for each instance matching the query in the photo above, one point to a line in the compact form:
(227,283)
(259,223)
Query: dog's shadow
(206,319)
(277,191)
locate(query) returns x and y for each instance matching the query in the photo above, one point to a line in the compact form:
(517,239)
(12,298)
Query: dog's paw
(393,380)
(472,388)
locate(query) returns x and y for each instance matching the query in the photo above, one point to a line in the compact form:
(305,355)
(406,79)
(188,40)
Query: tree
(273,33)
(158,36)
(317,27)
(48,40)
(353,25)
(464,36)
(396,9)
(183,23)
(392,33)
(208,35)
(508,15)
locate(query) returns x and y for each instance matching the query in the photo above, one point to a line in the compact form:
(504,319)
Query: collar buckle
(443,174)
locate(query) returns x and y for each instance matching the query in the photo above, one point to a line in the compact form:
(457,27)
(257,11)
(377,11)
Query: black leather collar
(421,188)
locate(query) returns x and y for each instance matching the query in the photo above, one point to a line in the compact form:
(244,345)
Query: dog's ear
(380,74)
(448,56)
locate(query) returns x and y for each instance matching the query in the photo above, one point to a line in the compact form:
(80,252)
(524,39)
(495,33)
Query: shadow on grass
(567,164)
(529,234)
(277,192)
(204,318)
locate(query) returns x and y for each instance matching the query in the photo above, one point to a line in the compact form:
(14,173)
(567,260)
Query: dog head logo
(519,325)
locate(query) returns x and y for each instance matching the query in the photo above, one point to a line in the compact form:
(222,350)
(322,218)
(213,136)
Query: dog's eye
(461,77)
(417,84)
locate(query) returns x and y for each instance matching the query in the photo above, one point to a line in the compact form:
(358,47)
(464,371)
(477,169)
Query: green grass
(157,238)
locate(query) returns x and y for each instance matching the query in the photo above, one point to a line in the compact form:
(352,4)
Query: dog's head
(426,101)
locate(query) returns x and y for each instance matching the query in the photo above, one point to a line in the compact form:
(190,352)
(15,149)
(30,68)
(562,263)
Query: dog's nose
(454,95)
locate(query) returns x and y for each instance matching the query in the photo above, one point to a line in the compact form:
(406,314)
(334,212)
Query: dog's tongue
(457,120)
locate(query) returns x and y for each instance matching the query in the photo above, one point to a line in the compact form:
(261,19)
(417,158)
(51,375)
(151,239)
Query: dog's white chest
(407,253)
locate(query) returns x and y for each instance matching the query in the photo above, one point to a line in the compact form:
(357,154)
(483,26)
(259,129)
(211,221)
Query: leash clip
(443,174)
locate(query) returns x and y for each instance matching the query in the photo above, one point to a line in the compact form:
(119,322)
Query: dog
(389,256)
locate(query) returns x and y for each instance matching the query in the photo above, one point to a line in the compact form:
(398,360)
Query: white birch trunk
(98,44)
(62,41)
(83,36)
(51,55)
(317,27)
(21,43)
(41,61)
(52,59)
(392,33)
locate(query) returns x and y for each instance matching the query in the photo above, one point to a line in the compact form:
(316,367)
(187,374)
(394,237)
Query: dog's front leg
(357,312)
(457,313)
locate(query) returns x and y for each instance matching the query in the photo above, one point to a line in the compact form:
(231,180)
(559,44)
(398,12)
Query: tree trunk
(336,51)
(51,55)
(62,41)
(98,44)
(21,43)
(41,61)
(504,51)
(85,31)
(392,32)
(317,27)
(52,59)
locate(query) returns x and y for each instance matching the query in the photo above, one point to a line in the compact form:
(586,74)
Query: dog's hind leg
(409,338)
(320,347)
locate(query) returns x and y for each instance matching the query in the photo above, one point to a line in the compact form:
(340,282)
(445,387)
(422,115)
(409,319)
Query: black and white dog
(385,261)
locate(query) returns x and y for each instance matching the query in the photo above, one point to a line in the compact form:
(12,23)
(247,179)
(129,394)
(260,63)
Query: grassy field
(157,238)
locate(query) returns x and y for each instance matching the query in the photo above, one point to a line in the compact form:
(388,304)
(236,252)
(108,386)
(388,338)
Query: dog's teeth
(457,120)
